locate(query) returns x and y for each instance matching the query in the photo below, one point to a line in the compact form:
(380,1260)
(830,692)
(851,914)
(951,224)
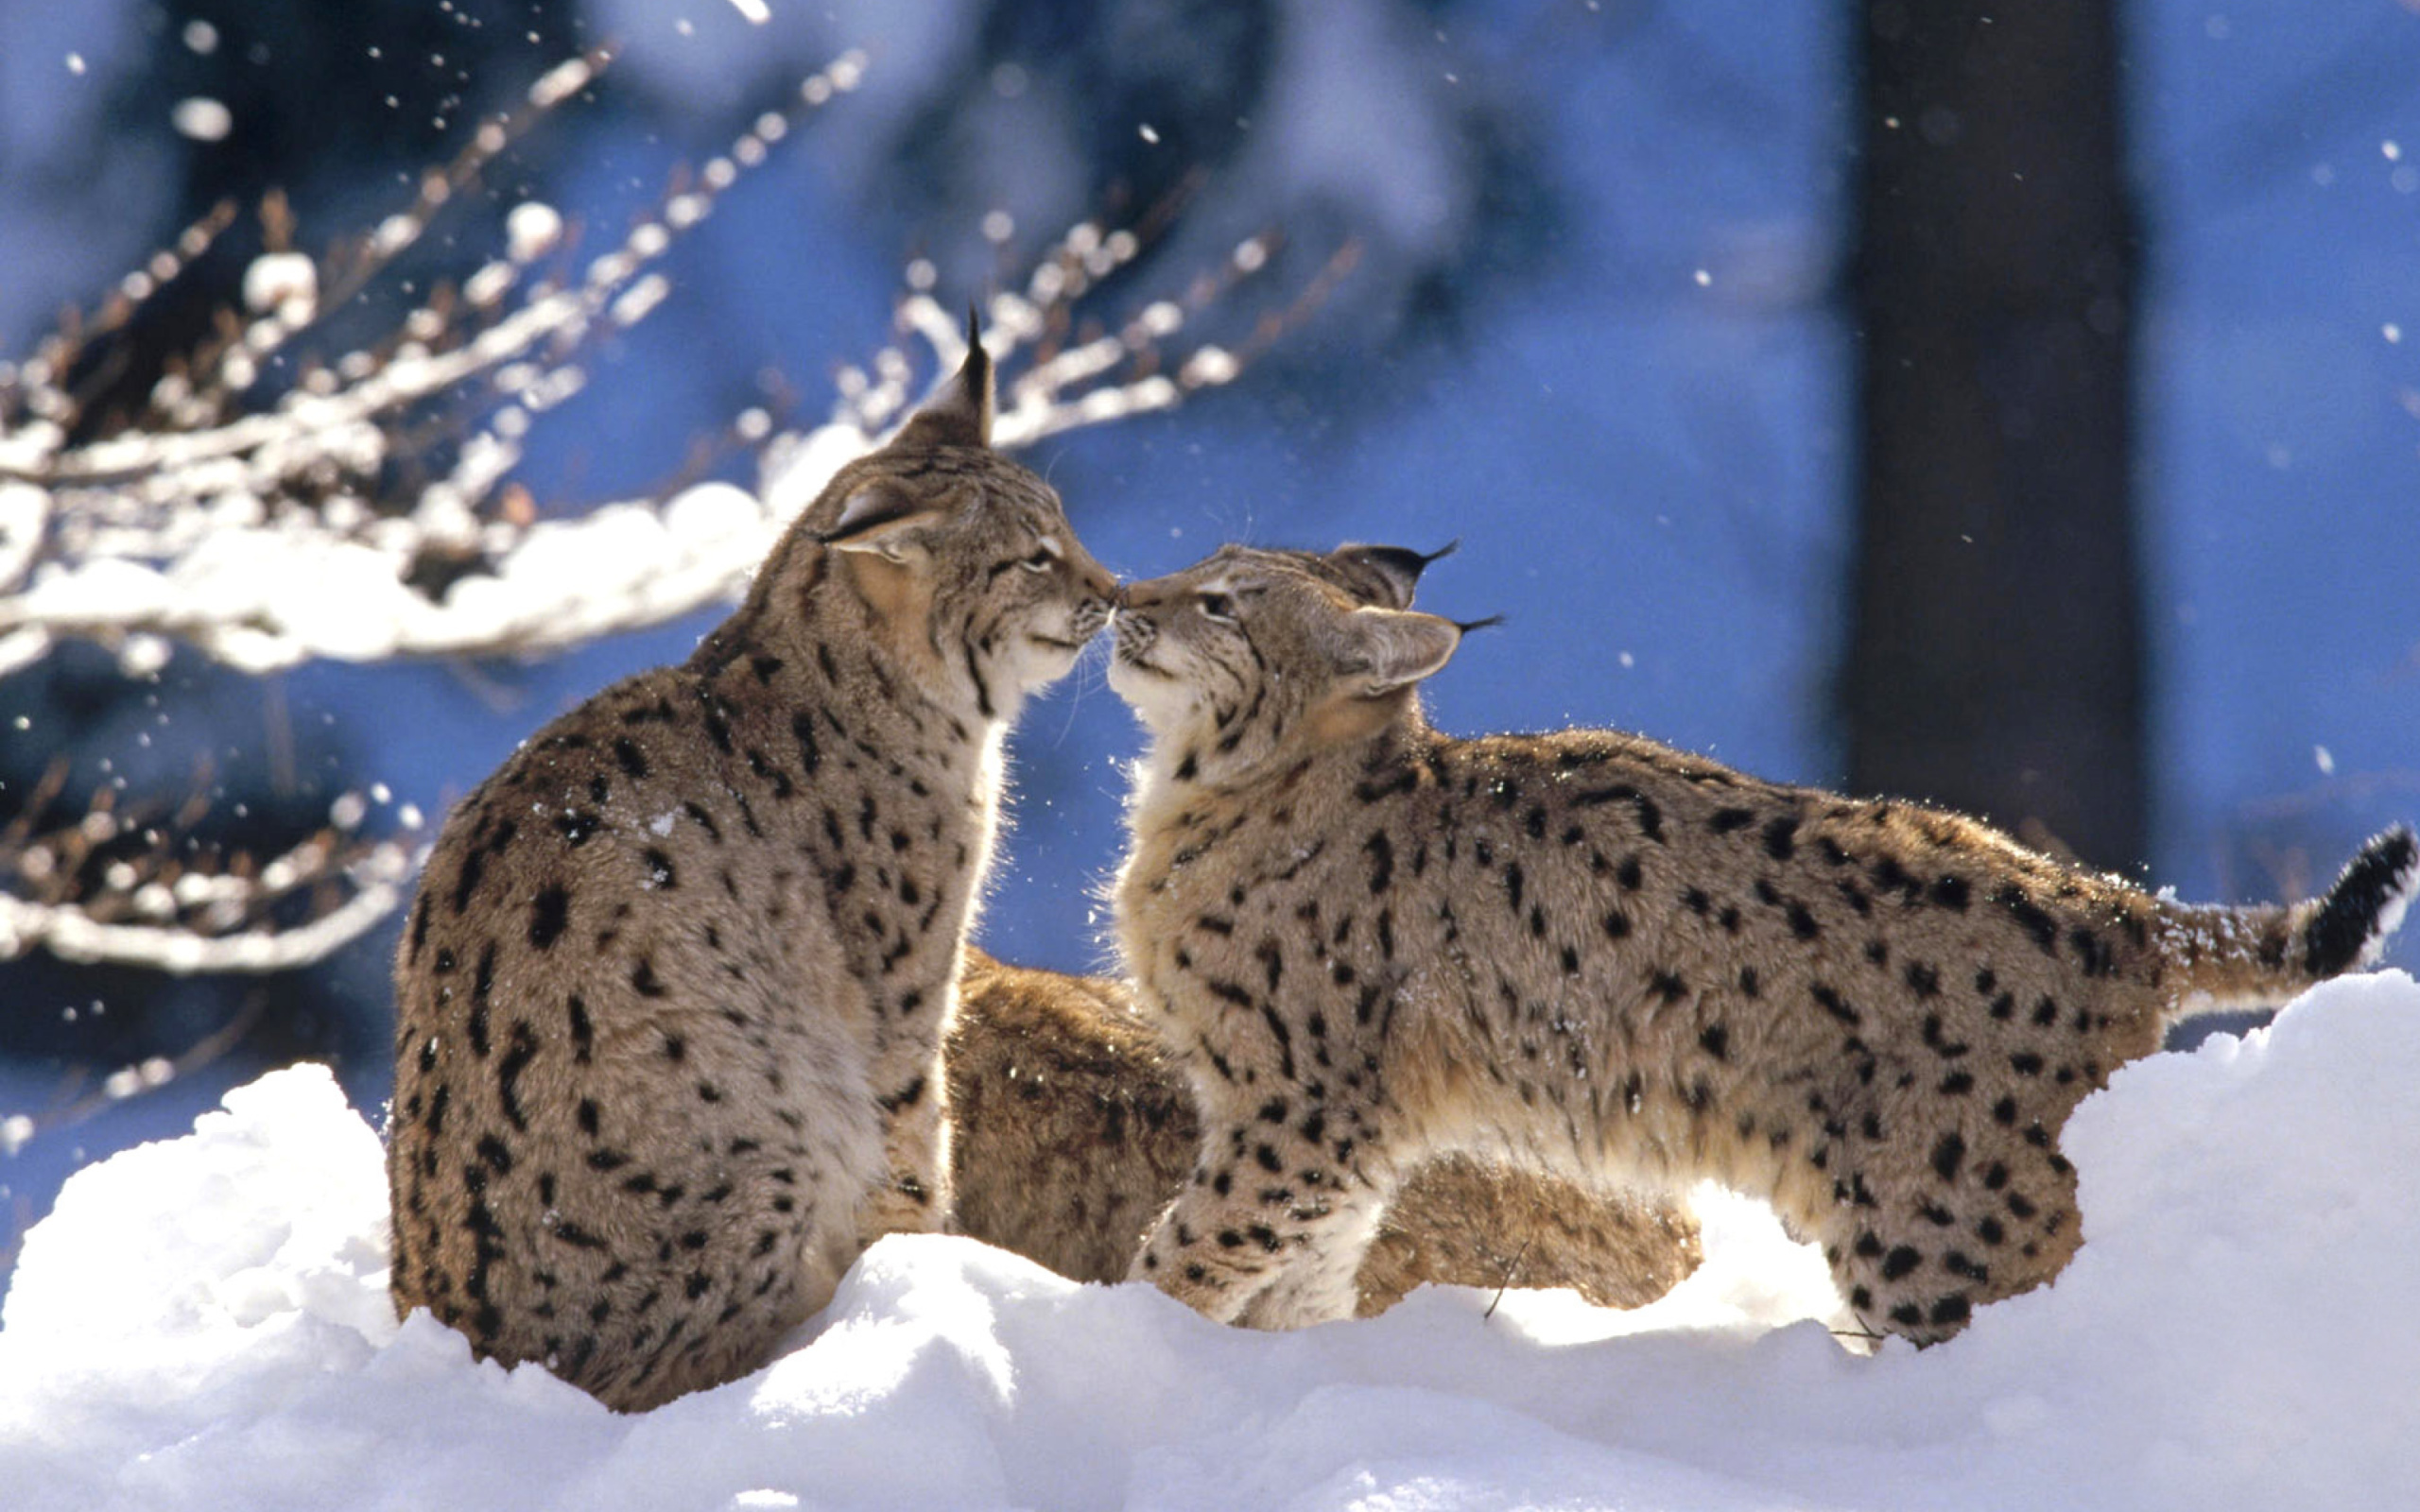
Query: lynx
(1071,1132)
(1589,954)
(672,994)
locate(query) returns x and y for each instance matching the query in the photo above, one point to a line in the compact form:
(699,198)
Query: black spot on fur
(1781,837)
(482,983)
(1948,1152)
(632,760)
(1889,876)
(2029,916)
(467,880)
(2092,952)
(583,1034)
(549,912)
(1900,1262)
(521,1047)
(1716,1041)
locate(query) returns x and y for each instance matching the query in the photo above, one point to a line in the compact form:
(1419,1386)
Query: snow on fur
(203,1323)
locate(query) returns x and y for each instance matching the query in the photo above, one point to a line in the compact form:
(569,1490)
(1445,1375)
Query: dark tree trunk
(1995,660)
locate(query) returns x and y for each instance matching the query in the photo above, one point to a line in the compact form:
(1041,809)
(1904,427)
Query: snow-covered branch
(130,891)
(259,525)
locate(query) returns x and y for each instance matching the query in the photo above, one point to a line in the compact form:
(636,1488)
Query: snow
(202,118)
(202,1322)
(531,229)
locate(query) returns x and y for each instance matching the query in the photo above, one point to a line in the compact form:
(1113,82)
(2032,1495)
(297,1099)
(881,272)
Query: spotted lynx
(672,994)
(1070,1132)
(1590,954)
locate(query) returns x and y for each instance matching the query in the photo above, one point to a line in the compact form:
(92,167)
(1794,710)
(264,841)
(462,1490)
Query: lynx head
(964,558)
(1251,654)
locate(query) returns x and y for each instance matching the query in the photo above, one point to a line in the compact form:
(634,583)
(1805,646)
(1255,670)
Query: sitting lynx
(1070,1131)
(672,995)
(1589,954)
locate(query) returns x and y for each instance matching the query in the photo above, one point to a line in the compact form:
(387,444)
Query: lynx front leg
(1268,1233)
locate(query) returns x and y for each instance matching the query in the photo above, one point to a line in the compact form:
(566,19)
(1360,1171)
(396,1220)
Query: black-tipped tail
(2364,906)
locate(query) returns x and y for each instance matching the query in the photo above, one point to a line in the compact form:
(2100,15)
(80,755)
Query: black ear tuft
(1397,568)
(1488,624)
(959,412)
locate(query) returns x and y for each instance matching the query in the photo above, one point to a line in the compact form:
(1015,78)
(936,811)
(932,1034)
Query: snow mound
(203,1323)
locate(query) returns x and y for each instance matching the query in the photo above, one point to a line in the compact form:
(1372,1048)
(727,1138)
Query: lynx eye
(1046,553)
(1217,607)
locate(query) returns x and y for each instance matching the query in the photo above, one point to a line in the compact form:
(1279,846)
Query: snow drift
(203,1323)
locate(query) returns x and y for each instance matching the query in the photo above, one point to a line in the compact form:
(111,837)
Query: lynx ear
(959,412)
(1387,649)
(880,520)
(1397,569)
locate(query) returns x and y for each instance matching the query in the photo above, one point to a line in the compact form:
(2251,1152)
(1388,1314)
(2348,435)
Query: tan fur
(1071,1132)
(672,995)
(1589,954)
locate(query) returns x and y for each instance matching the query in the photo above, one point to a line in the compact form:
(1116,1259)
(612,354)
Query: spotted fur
(671,997)
(1071,1132)
(1589,954)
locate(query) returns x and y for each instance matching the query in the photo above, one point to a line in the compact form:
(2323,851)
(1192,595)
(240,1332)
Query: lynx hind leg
(1462,1221)
(2001,1221)
(1266,1212)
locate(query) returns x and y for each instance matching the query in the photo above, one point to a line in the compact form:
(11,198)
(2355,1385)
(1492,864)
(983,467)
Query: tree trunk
(1995,660)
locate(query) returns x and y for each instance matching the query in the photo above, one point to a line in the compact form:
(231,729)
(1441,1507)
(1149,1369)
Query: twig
(1510,1271)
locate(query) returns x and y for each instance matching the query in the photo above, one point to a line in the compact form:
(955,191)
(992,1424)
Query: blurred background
(2017,412)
